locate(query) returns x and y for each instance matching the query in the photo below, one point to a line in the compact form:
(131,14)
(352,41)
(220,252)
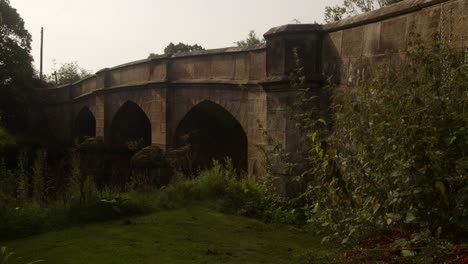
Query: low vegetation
(192,217)
(28,206)
(192,234)
(384,171)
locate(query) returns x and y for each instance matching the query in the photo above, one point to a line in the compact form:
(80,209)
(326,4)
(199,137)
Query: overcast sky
(105,33)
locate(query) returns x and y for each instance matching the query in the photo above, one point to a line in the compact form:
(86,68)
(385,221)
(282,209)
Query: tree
(16,71)
(354,7)
(252,41)
(176,48)
(70,73)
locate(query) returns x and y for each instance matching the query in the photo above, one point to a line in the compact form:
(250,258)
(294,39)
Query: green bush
(149,157)
(220,185)
(393,153)
(91,145)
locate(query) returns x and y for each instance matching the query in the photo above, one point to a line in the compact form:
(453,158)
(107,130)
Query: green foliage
(16,70)
(395,157)
(252,41)
(7,187)
(177,48)
(91,145)
(40,172)
(150,168)
(334,13)
(212,184)
(22,191)
(219,187)
(81,185)
(69,73)
(150,157)
(354,7)
(232,195)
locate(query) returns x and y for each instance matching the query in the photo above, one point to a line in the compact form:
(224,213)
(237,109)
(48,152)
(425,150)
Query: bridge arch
(84,124)
(212,132)
(130,124)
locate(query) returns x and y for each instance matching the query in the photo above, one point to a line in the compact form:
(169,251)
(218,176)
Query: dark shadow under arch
(211,132)
(85,124)
(130,124)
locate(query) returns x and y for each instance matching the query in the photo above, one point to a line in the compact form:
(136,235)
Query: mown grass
(201,220)
(195,234)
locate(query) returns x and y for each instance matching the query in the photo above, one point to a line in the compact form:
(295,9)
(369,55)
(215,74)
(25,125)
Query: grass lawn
(189,235)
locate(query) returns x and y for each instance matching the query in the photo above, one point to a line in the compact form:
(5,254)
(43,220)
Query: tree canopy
(354,7)
(16,71)
(70,73)
(251,41)
(176,48)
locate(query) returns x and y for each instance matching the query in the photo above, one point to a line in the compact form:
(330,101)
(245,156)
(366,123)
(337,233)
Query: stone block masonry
(251,87)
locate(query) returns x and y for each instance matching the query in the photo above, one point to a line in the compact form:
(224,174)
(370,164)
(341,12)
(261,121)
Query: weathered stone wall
(223,65)
(246,104)
(166,89)
(386,33)
(151,100)
(252,85)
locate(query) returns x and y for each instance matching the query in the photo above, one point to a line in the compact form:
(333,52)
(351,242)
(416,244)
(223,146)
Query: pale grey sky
(105,33)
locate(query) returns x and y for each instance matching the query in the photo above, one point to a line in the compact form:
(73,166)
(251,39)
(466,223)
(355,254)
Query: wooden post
(42,50)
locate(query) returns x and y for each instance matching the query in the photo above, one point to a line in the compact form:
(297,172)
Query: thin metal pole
(42,50)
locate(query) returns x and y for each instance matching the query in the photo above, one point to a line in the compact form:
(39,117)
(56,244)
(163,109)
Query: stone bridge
(226,95)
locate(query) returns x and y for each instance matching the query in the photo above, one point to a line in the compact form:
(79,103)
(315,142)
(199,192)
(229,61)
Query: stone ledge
(216,51)
(293,29)
(210,52)
(398,9)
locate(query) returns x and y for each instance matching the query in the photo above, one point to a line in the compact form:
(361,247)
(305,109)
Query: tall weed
(39,174)
(22,192)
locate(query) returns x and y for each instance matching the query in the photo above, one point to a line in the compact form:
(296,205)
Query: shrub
(394,153)
(81,185)
(231,195)
(22,192)
(92,145)
(39,176)
(7,187)
(149,157)
(149,168)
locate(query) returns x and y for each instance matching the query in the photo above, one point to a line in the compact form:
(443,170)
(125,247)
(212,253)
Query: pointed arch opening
(85,125)
(208,131)
(130,125)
